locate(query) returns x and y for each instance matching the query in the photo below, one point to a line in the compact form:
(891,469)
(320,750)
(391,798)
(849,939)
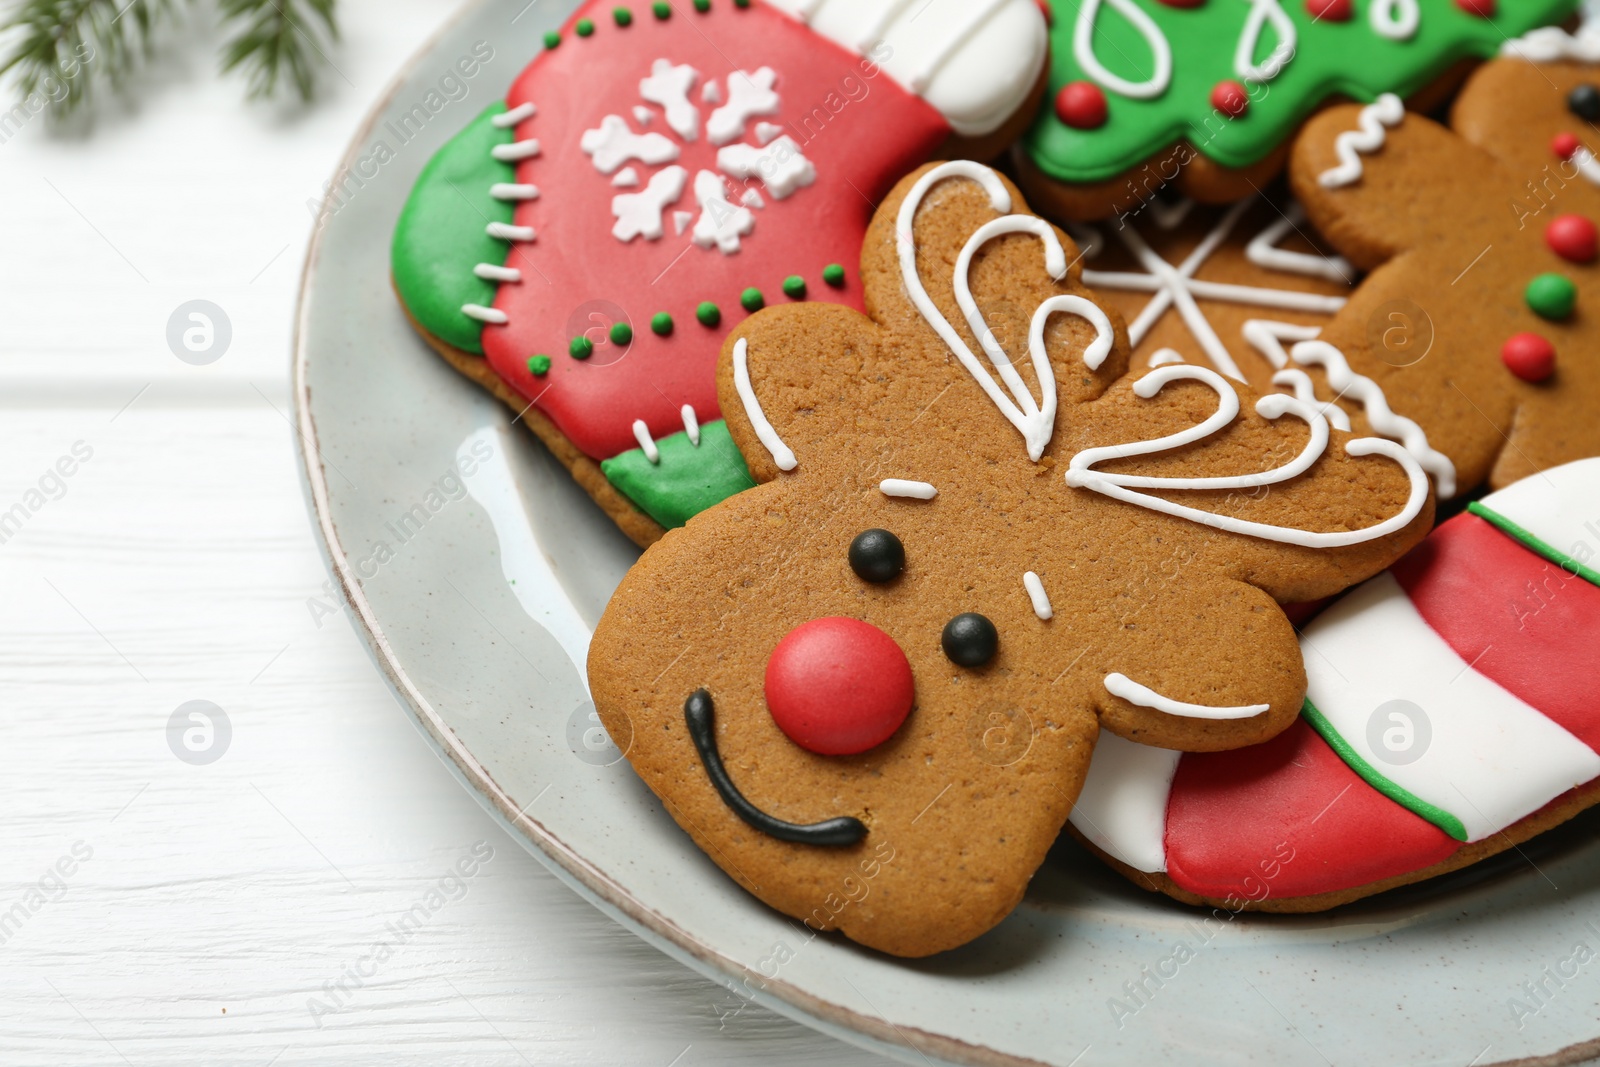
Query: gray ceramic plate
(478,605)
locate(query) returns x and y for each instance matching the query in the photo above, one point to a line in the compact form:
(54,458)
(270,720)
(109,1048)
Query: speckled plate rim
(871,1032)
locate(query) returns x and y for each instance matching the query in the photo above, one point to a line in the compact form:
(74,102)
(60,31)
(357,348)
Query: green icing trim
(1393,790)
(1330,58)
(440,235)
(1543,548)
(689,478)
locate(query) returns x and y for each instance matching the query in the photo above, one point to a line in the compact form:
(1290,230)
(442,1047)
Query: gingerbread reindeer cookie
(1489,260)
(869,687)
(659,172)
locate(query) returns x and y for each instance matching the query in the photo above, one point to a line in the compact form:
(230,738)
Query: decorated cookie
(1208,95)
(1450,716)
(1230,288)
(1486,262)
(661,171)
(980,541)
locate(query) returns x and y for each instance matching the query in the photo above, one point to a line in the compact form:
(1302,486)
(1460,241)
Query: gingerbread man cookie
(1462,248)
(1144,93)
(979,541)
(1449,717)
(661,171)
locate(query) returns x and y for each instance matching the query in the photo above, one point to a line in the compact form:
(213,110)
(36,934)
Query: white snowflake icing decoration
(746,150)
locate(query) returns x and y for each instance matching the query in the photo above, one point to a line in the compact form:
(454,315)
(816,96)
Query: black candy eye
(1584,102)
(970,640)
(877,556)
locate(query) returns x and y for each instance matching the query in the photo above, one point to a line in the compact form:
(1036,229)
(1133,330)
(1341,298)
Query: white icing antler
(1034,420)
(1081,473)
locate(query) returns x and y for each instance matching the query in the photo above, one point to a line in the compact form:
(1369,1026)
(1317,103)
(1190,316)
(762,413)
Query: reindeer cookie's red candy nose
(838,686)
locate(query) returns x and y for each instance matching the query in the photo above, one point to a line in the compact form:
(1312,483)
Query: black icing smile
(699,715)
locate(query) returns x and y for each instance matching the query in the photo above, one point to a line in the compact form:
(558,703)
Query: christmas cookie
(1144,93)
(869,687)
(661,171)
(1230,288)
(1449,717)
(1488,260)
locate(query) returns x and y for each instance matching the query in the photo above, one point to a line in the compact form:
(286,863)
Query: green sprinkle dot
(580,348)
(539,366)
(661,324)
(708,314)
(584,27)
(741,3)
(702,6)
(794,287)
(752,300)
(833,274)
(662,9)
(621,333)
(552,39)
(1552,296)
(622,15)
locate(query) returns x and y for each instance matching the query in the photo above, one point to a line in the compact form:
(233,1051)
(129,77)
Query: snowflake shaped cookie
(746,149)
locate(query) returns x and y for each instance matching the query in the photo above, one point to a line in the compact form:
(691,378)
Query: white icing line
(1299,382)
(1038,597)
(504,231)
(911,490)
(1383,419)
(489,272)
(513,191)
(1162,357)
(1120,685)
(1587,165)
(782,457)
(1263,252)
(1081,472)
(1089,63)
(1035,420)
(641,433)
(1549,44)
(953,41)
(516,151)
(1261,13)
(1368,137)
(1395,19)
(493,316)
(517,114)
(1267,337)
(691,425)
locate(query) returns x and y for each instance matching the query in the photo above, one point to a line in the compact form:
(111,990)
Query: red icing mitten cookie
(1475,268)
(660,172)
(979,542)
(1450,716)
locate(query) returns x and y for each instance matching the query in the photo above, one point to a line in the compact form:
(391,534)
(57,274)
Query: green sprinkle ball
(794,287)
(833,274)
(702,6)
(662,9)
(580,348)
(584,28)
(1552,296)
(539,366)
(552,39)
(622,16)
(661,324)
(741,3)
(708,314)
(752,300)
(621,333)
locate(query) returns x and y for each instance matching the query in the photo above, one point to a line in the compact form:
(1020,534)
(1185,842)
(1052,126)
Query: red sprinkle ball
(1230,98)
(1081,105)
(1529,356)
(1573,238)
(1484,9)
(838,686)
(1331,10)
(1044,9)
(1565,145)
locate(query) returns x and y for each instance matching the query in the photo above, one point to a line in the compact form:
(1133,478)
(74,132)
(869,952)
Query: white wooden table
(240,912)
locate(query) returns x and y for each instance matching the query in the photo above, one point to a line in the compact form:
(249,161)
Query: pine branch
(62,46)
(277,39)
